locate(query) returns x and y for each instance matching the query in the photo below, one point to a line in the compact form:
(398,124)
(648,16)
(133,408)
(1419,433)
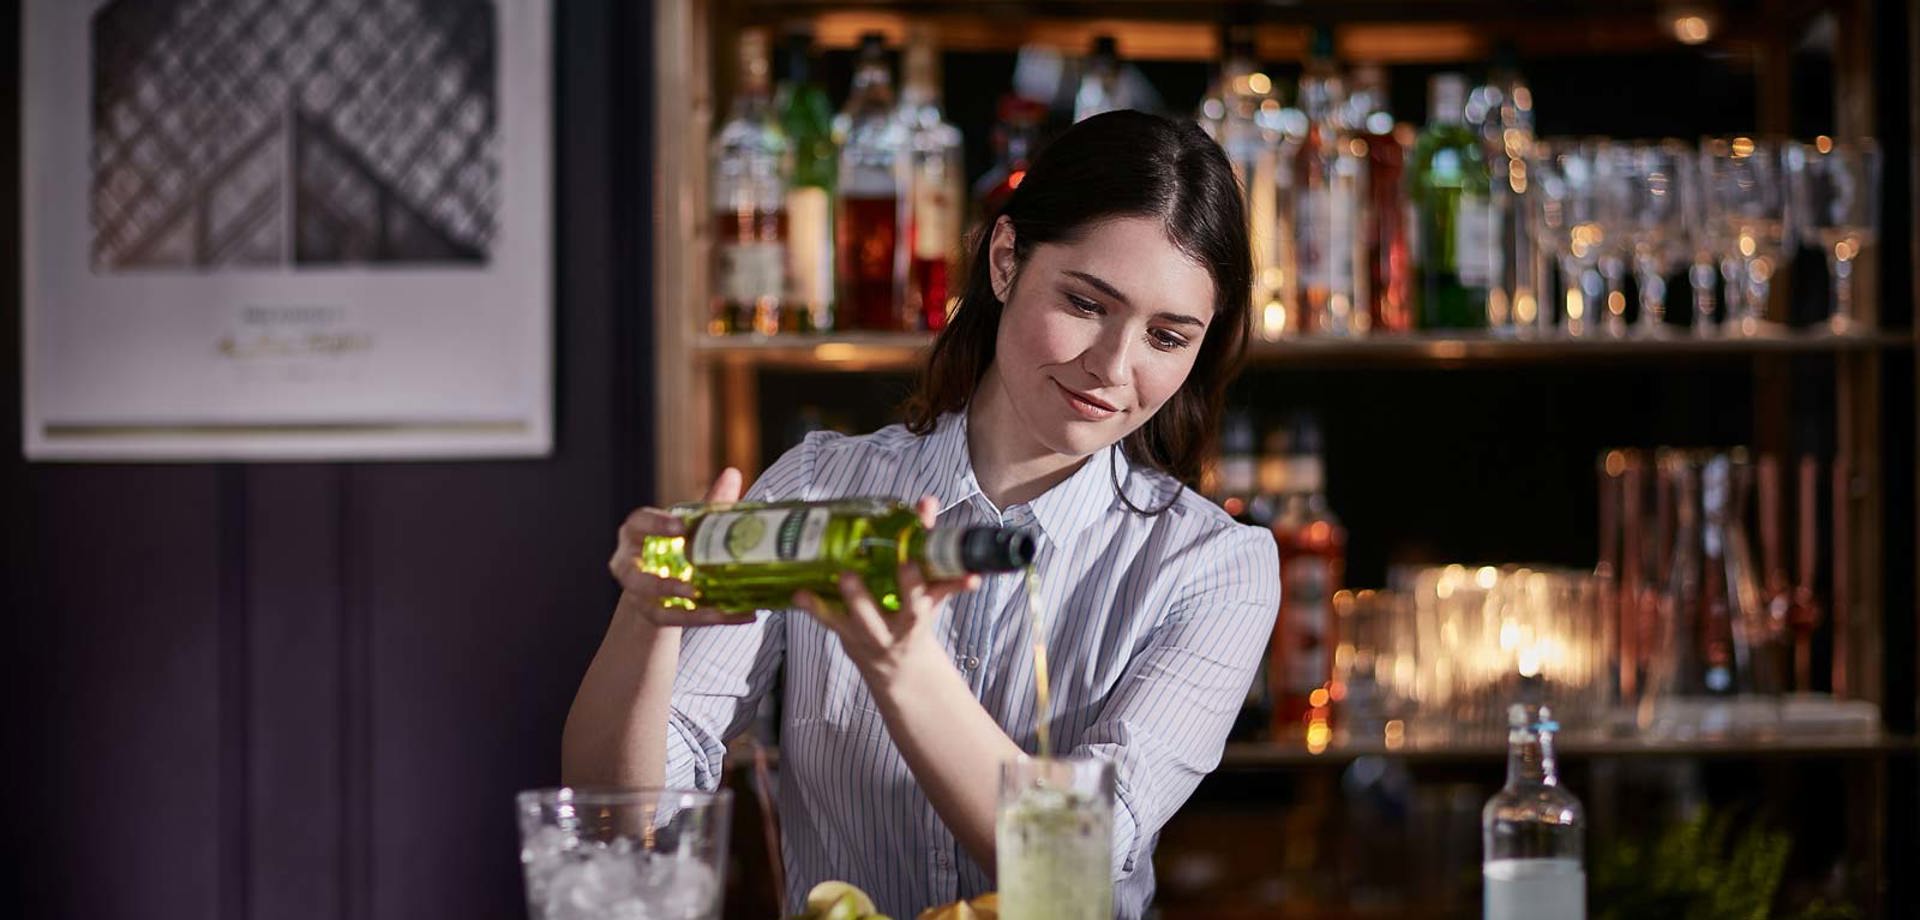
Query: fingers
(726,487)
(862,609)
(650,522)
(700,616)
(928,509)
(916,591)
(646,584)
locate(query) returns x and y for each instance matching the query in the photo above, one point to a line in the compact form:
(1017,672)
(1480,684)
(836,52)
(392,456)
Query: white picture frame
(249,236)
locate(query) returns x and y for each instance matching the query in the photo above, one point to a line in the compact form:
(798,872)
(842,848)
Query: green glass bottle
(807,118)
(754,556)
(1450,192)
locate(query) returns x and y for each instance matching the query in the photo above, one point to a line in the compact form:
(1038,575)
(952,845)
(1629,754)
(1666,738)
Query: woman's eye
(1167,341)
(1083,305)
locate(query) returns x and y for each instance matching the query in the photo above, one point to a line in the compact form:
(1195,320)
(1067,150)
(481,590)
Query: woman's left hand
(881,643)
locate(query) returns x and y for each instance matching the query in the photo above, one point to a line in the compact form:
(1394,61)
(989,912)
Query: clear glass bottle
(1253,146)
(1532,830)
(1100,83)
(937,177)
(1454,236)
(873,176)
(807,117)
(748,203)
(1505,109)
(1715,639)
(1329,180)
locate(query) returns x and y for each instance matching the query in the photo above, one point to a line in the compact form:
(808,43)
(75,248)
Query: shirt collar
(944,470)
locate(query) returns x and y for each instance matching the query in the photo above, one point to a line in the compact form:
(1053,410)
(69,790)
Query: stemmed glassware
(1749,215)
(1657,190)
(1835,197)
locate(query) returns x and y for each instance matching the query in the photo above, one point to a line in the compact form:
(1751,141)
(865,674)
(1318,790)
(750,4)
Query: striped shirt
(1156,625)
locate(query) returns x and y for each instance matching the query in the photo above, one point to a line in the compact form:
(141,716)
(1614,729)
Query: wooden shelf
(1260,755)
(902,352)
(1365,31)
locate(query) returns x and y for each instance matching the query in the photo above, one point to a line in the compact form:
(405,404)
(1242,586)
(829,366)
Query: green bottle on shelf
(752,556)
(1450,191)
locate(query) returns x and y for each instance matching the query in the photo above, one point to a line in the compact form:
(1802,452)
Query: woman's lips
(1088,407)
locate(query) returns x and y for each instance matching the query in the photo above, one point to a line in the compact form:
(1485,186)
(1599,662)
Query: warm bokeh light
(1692,30)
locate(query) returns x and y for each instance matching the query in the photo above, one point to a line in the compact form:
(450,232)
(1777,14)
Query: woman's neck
(1009,463)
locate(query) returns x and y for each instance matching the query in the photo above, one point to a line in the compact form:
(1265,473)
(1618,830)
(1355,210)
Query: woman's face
(1098,333)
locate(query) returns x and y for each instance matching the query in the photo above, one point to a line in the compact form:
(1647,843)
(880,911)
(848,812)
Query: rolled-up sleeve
(1166,723)
(724,671)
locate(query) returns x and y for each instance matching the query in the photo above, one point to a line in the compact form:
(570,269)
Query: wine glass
(1747,201)
(1702,235)
(1566,224)
(1614,170)
(1657,190)
(1836,199)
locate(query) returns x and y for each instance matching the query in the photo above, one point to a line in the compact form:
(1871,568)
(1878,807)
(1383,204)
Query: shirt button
(940,859)
(970,662)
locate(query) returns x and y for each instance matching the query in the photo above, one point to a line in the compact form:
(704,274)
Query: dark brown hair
(1121,164)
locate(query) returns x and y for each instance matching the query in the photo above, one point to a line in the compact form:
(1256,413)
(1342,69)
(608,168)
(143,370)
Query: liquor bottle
(754,556)
(1100,83)
(1312,564)
(807,117)
(1503,109)
(1253,146)
(873,173)
(1389,258)
(937,176)
(1239,464)
(749,204)
(1454,235)
(1016,141)
(1329,182)
(1260,478)
(1531,830)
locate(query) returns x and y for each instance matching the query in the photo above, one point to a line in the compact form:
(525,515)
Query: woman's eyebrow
(1100,284)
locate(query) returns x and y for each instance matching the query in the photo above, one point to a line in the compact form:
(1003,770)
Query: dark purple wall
(294,692)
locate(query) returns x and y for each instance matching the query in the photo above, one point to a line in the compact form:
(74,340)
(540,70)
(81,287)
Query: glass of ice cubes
(635,854)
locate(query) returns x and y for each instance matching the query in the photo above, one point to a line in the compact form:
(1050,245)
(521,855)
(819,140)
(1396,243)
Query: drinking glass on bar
(1836,199)
(591,853)
(1658,190)
(1747,198)
(1615,167)
(1054,836)
(1567,226)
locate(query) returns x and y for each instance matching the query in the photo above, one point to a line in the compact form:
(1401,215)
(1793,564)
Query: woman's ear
(1000,259)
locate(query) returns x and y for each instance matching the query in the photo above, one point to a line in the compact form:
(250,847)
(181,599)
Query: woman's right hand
(642,593)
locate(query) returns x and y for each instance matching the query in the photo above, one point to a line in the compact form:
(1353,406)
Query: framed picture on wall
(287,229)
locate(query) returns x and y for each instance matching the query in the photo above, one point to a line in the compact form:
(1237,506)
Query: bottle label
(1325,228)
(1238,474)
(810,245)
(759,536)
(943,553)
(936,225)
(1476,253)
(750,272)
(1306,612)
(1410,219)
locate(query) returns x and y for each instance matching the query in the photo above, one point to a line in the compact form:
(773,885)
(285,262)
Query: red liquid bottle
(872,260)
(1313,551)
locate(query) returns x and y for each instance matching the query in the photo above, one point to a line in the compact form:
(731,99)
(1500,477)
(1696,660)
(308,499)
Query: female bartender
(1076,388)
